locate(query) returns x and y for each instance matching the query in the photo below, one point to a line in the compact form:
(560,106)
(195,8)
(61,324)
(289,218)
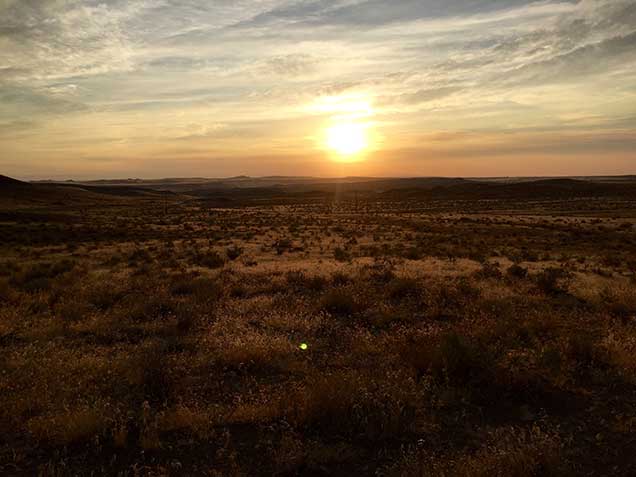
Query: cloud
(590,59)
(26,102)
(13,129)
(63,38)
(368,13)
(290,65)
(430,94)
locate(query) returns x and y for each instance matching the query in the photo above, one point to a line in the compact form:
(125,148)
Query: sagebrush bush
(339,302)
(341,255)
(551,281)
(400,288)
(517,271)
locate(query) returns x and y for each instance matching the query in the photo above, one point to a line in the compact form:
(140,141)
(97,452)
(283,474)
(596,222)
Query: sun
(347,139)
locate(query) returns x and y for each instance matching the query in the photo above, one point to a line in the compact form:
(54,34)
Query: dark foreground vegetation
(384,334)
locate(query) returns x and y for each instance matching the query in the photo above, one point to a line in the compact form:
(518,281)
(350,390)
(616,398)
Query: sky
(217,88)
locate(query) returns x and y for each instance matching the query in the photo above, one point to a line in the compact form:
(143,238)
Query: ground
(147,335)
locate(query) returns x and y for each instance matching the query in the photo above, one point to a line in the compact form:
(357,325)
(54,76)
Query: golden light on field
(347,140)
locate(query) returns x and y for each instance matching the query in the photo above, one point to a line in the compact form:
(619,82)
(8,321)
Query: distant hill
(527,190)
(278,189)
(10,182)
(15,193)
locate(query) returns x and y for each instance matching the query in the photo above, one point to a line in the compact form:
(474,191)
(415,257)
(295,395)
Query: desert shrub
(181,418)
(339,279)
(517,271)
(6,293)
(338,302)
(238,290)
(73,310)
(450,358)
(187,315)
(147,306)
(613,261)
(79,425)
(380,272)
(452,297)
(201,289)
(40,275)
(353,405)
(529,255)
(489,270)
(341,255)
(209,259)
(412,253)
(551,281)
(551,358)
(9,268)
(620,300)
(400,288)
(104,296)
(283,245)
(302,281)
(251,352)
(139,255)
(585,353)
(508,452)
(148,373)
(233,252)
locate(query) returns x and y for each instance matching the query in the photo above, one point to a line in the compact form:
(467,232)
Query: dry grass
(305,340)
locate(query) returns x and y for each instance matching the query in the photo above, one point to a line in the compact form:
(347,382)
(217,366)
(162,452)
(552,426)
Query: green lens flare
(303,346)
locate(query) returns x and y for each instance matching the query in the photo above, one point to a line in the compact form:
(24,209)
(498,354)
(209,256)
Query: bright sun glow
(347,139)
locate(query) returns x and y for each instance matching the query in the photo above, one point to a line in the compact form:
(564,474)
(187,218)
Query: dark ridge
(117,190)
(10,182)
(540,189)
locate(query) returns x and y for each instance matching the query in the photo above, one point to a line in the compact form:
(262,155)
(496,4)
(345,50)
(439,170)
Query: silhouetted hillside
(539,189)
(6,181)
(17,193)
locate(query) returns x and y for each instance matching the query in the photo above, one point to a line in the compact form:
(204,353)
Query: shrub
(400,288)
(620,300)
(338,302)
(209,259)
(39,276)
(282,245)
(238,290)
(550,280)
(150,373)
(6,293)
(339,279)
(341,255)
(139,255)
(489,270)
(300,280)
(507,452)
(517,271)
(202,289)
(353,405)
(233,252)
(72,310)
(451,358)
(412,253)
(69,427)
(148,306)
(380,272)
(104,296)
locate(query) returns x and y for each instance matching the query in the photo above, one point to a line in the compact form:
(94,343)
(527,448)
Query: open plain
(299,327)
